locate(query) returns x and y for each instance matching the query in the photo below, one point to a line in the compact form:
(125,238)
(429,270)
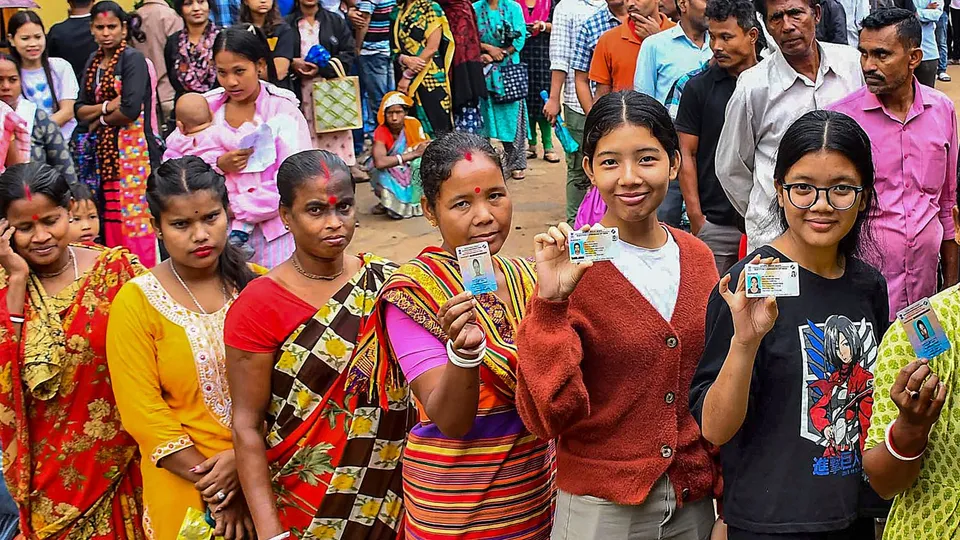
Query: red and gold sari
(70,467)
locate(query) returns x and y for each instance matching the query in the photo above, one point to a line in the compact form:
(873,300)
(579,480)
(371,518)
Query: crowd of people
(189,349)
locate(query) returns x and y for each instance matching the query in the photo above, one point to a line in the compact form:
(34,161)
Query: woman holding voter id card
(607,349)
(470,467)
(912,451)
(785,384)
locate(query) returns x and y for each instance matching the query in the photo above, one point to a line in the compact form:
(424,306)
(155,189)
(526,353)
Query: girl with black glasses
(785,385)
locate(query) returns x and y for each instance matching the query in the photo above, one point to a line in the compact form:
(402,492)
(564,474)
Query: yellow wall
(54,11)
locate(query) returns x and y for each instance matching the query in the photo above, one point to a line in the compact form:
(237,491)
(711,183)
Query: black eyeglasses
(839,197)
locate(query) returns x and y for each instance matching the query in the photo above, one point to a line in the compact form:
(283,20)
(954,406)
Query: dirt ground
(538,202)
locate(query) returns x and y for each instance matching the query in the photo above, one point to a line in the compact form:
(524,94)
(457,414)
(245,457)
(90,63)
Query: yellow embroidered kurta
(167,367)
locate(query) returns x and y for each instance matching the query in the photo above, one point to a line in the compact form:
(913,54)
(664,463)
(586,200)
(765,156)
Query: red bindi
(467,156)
(476,190)
(35,217)
(332,200)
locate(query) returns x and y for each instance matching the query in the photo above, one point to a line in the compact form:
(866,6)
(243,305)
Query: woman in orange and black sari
(328,465)
(70,467)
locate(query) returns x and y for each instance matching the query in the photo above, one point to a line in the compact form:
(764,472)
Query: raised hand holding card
(775,279)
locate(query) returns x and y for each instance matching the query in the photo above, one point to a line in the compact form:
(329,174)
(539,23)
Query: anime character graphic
(838,401)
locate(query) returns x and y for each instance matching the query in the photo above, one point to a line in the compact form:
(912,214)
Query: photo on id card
(923,329)
(476,267)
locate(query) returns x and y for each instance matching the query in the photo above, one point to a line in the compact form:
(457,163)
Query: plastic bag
(195,526)
(318,55)
(569,144)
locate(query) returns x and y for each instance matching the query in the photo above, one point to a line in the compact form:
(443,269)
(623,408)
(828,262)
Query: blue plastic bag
(318,55)
(569,144)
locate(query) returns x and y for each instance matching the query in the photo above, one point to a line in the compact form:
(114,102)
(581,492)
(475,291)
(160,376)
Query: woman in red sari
(69,465)
(329,465)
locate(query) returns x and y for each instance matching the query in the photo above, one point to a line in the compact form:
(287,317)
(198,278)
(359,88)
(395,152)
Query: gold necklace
(308,275)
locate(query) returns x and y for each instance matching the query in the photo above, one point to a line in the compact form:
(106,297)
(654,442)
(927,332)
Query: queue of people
(229,365)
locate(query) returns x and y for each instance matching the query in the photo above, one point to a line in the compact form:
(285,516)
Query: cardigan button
(669,398)
(671,342)
(685,494)
(666,451)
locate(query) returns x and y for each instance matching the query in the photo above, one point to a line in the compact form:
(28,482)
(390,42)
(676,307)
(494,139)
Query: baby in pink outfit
(196,135)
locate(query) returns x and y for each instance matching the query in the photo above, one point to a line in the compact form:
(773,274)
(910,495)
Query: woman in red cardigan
(608,350)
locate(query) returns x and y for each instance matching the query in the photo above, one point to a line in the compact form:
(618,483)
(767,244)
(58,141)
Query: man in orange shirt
(615,58)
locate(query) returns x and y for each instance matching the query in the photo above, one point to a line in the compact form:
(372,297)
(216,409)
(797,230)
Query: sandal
(551,157)
(531,154)
(518,175)
(378,210)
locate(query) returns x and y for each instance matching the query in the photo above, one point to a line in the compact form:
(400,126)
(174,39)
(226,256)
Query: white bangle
(280,536)
(399,160)
(16,319)
(103,122)
(103,108)
(894,453)
(467,363)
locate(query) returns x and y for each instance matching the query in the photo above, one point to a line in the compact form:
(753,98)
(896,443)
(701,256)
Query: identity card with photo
(923,329)
(476,267)
(778,279)
(595,245)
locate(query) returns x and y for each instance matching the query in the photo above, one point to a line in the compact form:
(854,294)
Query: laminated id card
(595,245)
(778,279)
(476,267)
(923,329)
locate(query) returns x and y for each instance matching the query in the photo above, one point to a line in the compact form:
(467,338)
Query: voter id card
(476,267)
(923,329)
(595,245)
(777,279)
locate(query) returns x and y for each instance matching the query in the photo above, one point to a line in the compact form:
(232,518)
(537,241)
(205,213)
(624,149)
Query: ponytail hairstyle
(302,166)
(19,19)
(443,154)
(271,21)
(133,22)
(249,42)
(187,175)
(34,178)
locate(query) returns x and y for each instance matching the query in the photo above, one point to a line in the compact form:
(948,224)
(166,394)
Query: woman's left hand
(486,59)
(219,476)
(304,68)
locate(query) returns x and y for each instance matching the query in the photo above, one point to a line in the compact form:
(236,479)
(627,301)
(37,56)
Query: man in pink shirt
(913,134)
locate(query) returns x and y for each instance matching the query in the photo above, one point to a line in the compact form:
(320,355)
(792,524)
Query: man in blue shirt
(929,12)
(663,59)
(225,12)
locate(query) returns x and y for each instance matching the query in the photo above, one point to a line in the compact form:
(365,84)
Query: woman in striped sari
(470,469)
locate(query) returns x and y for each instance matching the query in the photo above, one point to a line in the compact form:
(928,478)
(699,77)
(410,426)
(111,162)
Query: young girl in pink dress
(243,102)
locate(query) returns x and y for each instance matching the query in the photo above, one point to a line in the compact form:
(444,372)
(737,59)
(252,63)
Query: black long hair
(19,19)
(627,107)
(816,131)
(302,166)
(187,175)
(249,42)
(443,154)
(34,178)
(132,21)
(271,21)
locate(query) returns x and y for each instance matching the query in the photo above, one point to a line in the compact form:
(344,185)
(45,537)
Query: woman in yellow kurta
(166,356)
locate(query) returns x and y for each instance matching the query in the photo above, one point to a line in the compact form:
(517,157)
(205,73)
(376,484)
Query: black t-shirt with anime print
(795,465)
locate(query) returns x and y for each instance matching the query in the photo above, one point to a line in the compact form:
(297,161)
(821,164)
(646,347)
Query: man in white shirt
(802,76)
(856,11)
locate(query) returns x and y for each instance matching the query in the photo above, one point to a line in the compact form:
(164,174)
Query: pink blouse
(418,351)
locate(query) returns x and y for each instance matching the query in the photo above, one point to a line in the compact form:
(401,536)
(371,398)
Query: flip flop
(531,154)
(551,157)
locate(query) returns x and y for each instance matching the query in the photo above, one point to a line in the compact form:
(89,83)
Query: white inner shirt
(653,272)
